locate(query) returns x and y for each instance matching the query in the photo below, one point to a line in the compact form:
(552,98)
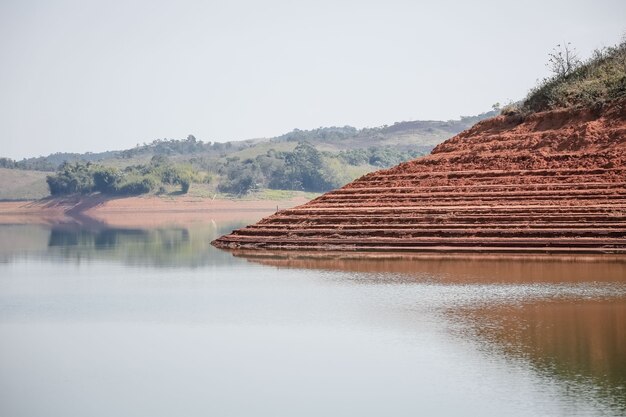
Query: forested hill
(420,136)
(309,160)
(411,135)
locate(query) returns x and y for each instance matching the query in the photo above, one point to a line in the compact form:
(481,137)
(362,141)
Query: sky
(81,75)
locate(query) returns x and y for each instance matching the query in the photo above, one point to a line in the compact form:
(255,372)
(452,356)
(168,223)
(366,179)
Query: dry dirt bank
(137,211)
(553,181)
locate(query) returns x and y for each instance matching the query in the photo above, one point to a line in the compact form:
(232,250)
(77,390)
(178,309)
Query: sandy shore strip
(149,211)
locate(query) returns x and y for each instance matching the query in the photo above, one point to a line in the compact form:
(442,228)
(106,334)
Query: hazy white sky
(79,75)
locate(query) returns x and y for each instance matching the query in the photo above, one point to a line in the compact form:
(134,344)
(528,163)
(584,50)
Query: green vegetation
(323,133)
(305,168)
(53,161)
(170,147)
(574,83)
(382,157)
(83,178)
(32,164)
(302,160)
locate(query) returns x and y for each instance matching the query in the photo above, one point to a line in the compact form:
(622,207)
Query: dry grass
(18,184)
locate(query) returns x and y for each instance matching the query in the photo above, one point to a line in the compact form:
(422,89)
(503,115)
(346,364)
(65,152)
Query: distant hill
(52,161)
(418,135)
(342,154)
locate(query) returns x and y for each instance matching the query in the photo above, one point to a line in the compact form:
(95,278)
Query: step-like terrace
(461,199)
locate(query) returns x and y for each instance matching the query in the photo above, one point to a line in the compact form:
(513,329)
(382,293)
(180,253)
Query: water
(117,322)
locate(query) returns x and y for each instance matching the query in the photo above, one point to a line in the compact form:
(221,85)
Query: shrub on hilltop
(574,83)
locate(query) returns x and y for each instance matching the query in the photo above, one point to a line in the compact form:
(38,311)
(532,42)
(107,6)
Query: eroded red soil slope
(554,181)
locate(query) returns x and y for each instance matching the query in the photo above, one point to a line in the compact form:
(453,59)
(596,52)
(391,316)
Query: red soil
(554,181)
(137,211)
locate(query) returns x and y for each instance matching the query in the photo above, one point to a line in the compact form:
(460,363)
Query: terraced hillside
(551,181)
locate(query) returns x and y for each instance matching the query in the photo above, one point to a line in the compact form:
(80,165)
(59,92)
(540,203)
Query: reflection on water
(570,324)
(140,321)
(167,247)
(581,341)
(453,268)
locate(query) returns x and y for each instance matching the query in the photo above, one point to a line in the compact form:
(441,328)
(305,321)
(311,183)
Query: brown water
(157,322)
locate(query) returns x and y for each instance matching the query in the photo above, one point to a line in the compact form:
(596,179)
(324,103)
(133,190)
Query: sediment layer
(553,181)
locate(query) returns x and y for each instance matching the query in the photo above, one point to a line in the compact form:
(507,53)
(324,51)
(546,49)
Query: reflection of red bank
(553,181)
(581,341)
(452,268)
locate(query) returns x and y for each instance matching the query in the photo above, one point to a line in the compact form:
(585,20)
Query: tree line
(305,168)
(84,178)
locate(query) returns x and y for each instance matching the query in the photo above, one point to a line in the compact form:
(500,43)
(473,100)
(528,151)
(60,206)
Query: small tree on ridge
(563,60)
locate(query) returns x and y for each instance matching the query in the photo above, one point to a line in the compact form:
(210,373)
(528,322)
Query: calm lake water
(118,322)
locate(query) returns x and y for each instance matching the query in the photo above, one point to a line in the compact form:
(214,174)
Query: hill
(534,181)
(333,156)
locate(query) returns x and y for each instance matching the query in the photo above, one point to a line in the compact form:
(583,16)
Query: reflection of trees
(112,238)
(19,240)
(169,247)
(582,342)
(189,247)
(107,238)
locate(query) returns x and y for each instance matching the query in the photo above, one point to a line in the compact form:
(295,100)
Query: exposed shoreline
(144,211)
